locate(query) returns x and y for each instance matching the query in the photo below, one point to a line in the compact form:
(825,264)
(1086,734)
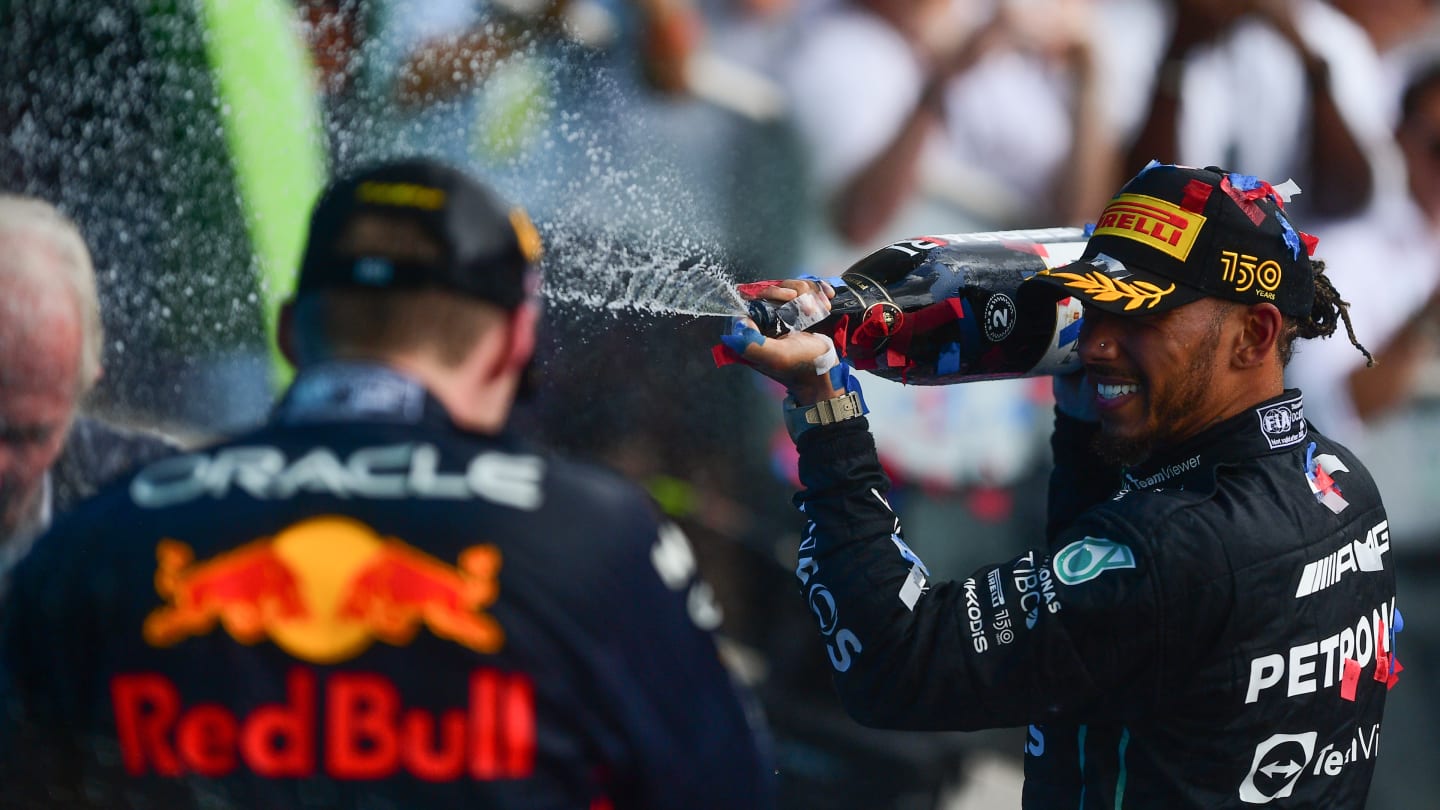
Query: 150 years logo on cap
(1250,274)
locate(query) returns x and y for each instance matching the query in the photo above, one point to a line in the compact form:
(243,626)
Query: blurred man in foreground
(1210,619)
(50,352)
(383,596)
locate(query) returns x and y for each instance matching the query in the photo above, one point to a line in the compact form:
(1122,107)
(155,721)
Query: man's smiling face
(1154,374)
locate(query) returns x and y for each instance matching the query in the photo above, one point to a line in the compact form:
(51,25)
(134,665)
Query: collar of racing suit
(1272,426)
(345,391)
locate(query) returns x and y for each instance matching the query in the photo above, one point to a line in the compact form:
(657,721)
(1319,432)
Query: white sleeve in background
(1386,265)
(1363,89)
(1009,118)
(1130,37)
(1256,98)
(1210,111)
(852,81)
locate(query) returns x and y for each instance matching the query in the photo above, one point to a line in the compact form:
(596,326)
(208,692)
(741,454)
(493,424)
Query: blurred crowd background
(754,139)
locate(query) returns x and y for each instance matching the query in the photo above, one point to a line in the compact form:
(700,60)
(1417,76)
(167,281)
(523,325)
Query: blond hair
(37,227)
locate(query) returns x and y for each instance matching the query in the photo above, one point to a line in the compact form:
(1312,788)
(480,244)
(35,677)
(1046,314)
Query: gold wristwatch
(800,418)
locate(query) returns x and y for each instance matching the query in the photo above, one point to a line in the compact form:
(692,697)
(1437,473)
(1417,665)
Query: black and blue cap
(1176,234)
(487,249)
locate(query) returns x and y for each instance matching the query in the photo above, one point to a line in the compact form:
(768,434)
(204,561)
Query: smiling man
(1210,621)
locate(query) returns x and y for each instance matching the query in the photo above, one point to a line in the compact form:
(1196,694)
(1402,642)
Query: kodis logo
(1084,560)
(323,590)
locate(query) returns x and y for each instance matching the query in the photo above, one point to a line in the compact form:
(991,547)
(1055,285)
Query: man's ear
(1259,334)
(523,325)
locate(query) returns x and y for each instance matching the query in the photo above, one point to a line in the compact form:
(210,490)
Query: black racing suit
(1213,629)
(362,605)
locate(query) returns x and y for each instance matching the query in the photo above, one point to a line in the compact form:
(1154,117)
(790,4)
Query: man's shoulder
(1177,521)
(97,452)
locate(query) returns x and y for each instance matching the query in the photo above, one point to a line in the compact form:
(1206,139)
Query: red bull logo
(351,725)
(323,590)
(1151,221)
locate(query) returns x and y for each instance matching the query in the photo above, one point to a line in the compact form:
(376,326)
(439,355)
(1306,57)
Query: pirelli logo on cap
(401,195)
(1150,221)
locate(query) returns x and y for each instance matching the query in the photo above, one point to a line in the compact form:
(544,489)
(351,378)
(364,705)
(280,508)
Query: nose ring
(1102,344)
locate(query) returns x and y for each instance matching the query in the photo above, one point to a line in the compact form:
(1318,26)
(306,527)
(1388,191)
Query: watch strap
(799,419)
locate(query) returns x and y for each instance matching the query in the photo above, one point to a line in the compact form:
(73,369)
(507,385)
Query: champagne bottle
(936,310)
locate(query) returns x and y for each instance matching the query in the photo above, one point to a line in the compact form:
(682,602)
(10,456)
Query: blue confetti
(842,380)
(1089,229)
(949,360)
(1292,239)
(1071,332)
(833,281)
(741,337)
(908,555)
(1244,182)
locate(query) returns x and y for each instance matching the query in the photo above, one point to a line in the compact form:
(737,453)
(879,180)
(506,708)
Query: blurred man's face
(1419,139)
(40,340)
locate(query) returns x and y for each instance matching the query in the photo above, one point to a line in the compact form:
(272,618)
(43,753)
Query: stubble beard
(1165,412)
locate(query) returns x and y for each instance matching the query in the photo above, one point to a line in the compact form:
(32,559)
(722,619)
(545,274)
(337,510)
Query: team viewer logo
(1084,560)
(1278,763)
(1153,222)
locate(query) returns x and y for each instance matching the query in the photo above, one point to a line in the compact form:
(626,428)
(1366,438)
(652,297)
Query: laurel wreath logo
(1101,287)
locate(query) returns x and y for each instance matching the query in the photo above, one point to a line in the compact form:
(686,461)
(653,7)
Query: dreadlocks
(1328,310)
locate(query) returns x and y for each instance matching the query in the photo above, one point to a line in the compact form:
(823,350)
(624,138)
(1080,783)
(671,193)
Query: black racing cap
(481,246)
(1176,234)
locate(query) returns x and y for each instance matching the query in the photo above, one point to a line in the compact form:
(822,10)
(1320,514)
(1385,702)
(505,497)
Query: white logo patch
(1084,560)
(1356,555)
(1278,763)
(1283,423)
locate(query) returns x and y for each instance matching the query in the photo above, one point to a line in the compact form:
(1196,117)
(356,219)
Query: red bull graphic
(323,590)
(350,725)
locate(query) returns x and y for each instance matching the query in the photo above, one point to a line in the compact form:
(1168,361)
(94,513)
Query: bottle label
(1000,317)
(1064,352)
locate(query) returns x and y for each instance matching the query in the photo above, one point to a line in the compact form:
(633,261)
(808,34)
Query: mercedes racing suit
(1214,628)
(362,605)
